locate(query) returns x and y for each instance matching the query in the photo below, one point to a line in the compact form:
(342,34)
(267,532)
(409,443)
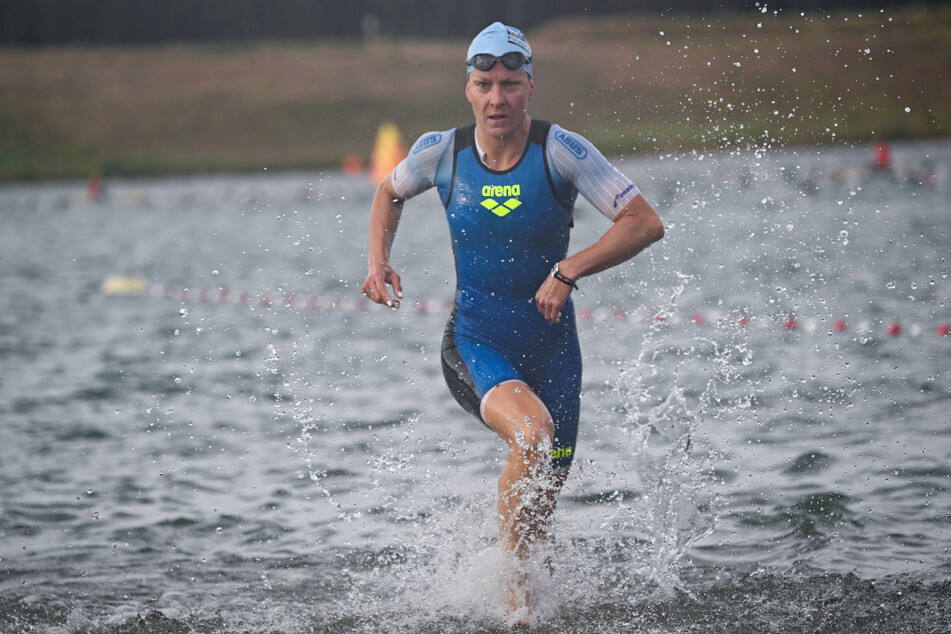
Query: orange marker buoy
(353,164)
(94,187)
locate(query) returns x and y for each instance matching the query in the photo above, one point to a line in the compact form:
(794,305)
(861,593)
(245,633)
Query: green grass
(631,83)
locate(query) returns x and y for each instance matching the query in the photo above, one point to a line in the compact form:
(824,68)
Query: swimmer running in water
(510,353)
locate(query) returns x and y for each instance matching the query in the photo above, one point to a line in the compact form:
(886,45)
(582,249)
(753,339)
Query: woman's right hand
(375,285)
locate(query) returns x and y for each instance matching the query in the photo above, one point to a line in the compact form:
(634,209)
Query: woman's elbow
(655,228)
(650,226)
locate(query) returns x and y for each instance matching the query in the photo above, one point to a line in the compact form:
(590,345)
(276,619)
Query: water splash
(674,507)
(678,507)
(417,528)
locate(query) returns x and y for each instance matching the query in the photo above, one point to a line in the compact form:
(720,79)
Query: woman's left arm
(635,228)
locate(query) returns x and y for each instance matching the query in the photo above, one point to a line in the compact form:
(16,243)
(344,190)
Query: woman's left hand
(551,298)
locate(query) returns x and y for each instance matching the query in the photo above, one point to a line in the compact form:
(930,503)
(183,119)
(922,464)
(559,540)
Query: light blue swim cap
(498,39)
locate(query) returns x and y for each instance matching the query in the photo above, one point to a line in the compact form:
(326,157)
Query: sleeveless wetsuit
(508,229)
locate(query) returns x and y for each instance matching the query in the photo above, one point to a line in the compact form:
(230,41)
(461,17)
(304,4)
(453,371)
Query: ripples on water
(212,466)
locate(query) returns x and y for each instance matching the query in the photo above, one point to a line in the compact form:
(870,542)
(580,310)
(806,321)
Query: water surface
(247,447)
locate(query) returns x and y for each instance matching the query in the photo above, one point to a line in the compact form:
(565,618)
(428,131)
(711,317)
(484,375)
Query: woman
(510,352)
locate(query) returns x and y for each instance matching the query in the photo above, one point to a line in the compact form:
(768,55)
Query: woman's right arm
(414,175)
(384,219)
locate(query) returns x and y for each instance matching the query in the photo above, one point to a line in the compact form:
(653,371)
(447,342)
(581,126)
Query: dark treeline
(50,22)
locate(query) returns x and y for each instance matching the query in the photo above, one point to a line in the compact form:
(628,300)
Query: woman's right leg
(528,487)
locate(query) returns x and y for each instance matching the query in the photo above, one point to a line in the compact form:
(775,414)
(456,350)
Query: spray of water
(423,551)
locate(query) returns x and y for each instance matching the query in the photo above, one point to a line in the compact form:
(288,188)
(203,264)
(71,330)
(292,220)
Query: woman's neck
(502,152)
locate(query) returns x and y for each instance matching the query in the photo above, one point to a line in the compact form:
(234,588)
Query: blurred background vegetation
(82,101)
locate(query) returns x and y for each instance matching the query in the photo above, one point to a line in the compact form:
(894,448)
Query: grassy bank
(630,83)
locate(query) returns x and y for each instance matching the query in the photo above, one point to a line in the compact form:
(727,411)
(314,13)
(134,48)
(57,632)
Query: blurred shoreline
(633,84)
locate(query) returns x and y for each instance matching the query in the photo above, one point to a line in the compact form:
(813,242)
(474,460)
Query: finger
(388,300)
(393,278)
(397,287)
(544,307)
(370,292)
(385,298)
(555,310)
(375,290)
(370,288)
(550,308)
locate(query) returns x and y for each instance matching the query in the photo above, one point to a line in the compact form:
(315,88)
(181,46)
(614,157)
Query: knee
(539,434)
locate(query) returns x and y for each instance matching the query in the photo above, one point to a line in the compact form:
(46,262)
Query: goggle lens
(485,61)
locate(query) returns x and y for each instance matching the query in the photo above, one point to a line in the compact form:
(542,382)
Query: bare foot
(519,613)
(520,618)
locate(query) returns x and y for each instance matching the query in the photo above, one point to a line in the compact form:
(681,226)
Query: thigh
(550,366)
(518,415)
(472,368)
(556,377)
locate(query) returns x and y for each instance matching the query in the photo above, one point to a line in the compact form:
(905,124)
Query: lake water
(245,446)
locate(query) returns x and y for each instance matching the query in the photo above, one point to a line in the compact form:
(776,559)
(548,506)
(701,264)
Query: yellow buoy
(123,285)
(389,150)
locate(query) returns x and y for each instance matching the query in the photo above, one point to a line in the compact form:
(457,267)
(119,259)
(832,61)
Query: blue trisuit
(508,229)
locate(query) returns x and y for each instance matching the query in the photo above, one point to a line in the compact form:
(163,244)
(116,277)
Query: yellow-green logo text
(509,192)
(561,452)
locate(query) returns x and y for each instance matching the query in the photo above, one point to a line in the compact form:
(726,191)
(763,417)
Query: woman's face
(499,99)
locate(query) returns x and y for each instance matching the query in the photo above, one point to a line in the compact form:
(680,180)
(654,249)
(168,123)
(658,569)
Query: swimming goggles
(485,61)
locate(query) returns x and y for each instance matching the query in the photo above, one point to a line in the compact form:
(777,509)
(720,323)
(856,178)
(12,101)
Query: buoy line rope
(739,318)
